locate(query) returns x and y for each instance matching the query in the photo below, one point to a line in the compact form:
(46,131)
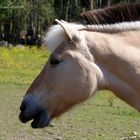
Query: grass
(102,117)
(18,66)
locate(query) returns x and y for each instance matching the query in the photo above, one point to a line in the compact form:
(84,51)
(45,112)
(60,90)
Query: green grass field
(103,117)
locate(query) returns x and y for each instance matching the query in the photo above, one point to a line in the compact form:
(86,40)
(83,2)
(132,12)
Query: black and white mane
(113,14)
(119,18)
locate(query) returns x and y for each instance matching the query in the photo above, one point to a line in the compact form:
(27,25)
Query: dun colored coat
(84,59)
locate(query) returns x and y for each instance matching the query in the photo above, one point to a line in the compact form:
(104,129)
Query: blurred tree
(22,20)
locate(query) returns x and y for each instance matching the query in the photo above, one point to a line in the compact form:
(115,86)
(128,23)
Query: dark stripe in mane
(113,14)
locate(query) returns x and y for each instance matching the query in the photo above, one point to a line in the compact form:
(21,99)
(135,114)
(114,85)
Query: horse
(84,59)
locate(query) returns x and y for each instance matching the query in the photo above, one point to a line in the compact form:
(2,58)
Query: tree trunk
(67,10)
(74,9)
(93,4)
(109,3)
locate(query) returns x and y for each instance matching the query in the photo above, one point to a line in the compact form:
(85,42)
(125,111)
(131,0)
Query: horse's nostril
(23,106)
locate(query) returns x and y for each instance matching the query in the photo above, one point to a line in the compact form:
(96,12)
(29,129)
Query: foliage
(15,63)
(18,18)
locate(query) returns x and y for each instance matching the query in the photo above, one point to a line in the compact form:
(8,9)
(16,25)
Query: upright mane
(56,34)
(113,14)
(113,19)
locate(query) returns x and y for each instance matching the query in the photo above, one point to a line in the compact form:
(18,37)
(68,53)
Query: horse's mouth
(40,120)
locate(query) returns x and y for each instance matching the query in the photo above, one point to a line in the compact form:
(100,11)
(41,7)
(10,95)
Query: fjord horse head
(84,59)
(69,77)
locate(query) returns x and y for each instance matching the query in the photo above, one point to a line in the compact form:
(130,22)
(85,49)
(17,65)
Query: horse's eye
(54,61)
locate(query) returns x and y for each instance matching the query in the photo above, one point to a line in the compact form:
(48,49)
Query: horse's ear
(72,34)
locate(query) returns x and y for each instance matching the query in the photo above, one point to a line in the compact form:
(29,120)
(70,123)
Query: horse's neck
(118,55)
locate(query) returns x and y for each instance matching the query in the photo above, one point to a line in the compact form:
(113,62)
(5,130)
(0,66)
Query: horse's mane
(113,14)
(119,18)
(56,34)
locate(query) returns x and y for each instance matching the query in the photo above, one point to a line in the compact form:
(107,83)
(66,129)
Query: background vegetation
(24,21)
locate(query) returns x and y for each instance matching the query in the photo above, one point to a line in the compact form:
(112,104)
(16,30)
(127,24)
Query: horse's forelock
(56,35)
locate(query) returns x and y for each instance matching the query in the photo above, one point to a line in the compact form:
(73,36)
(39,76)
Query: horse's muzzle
(32,110)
